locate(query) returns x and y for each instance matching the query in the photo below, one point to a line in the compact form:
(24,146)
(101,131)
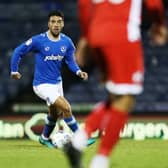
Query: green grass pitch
(127,154)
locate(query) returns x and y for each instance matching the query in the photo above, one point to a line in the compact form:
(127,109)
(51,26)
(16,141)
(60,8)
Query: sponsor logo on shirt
(47,48)
(53,58)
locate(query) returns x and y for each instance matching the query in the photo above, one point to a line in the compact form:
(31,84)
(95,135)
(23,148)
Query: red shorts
(123,67)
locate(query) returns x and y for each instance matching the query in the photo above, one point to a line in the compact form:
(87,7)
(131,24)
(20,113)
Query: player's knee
(63,106)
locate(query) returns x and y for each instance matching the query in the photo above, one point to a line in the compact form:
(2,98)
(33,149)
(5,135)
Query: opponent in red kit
(112,29)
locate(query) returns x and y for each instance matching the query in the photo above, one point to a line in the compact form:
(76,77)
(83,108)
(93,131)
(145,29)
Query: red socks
(93,121)
(114,122)
(111,121)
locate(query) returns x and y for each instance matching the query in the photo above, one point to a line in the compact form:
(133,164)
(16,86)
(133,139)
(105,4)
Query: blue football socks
(49,126)
(72,123)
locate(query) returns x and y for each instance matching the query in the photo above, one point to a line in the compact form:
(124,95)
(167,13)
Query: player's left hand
(15,75)
(83,75)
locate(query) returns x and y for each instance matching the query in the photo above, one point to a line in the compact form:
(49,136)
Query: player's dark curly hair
(56,13)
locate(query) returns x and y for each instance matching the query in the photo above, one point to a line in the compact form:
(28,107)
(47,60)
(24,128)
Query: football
(60,138)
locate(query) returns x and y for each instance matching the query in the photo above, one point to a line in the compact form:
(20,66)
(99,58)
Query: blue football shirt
(49,57)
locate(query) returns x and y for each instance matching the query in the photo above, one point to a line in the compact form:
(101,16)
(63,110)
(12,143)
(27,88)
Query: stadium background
(20,19)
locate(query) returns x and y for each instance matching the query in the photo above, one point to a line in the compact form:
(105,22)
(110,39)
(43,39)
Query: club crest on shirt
(47,48)
(63,49)
(28,42)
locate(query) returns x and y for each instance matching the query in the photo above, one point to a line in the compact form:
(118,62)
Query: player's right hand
(15,75)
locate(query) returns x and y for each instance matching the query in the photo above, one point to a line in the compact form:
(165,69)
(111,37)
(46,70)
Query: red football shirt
(114,21)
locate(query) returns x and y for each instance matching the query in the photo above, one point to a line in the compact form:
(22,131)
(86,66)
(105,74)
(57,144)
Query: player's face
(55,25)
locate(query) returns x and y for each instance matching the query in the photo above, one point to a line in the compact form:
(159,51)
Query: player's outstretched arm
(18,53)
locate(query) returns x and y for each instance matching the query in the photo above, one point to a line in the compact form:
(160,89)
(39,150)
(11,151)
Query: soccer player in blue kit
(51,49)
